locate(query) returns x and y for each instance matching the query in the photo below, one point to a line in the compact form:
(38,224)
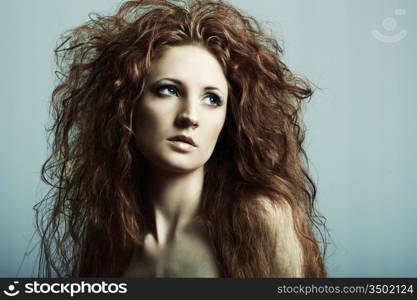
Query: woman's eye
(167,90)
(171,90)
(213,99)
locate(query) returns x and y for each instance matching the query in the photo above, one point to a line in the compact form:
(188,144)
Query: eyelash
(158,91)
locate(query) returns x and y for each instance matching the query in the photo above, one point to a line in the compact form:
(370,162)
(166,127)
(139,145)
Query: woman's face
(185,95)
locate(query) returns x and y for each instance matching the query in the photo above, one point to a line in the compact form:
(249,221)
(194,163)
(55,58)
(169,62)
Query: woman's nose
(187,116)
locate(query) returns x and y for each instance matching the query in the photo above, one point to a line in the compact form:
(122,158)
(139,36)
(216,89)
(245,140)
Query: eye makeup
(216,99)
(162,88)
(166,90)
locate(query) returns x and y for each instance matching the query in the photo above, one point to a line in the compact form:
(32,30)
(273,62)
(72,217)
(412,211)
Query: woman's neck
(175,199)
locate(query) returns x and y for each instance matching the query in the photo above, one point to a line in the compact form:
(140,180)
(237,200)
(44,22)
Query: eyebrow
(179,82)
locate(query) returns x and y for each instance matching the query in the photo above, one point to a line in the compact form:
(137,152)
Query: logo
(12,290)
(69,288)
(390,24)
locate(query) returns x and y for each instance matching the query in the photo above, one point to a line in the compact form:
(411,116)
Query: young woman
(177,150)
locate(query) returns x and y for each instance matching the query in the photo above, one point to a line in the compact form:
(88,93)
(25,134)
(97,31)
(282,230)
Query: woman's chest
(188,255)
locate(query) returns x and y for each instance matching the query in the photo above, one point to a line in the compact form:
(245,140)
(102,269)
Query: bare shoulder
(277,214)
(280,220)
(273,209)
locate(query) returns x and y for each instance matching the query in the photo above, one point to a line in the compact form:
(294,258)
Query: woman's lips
(181,146)
(183,138)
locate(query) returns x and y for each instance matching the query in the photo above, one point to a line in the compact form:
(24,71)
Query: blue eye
(213,100)
(169,90)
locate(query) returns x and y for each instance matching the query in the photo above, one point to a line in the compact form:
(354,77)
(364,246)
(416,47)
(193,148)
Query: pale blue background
(362,122)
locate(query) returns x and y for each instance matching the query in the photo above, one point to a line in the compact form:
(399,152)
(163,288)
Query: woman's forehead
(192,64)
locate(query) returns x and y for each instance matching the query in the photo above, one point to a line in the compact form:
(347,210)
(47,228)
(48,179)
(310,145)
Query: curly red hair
(94,216)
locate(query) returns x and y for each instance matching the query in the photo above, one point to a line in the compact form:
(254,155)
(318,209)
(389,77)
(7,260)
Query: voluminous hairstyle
(95,214)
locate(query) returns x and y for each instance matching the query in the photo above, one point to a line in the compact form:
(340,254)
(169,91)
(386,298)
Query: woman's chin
(178,165)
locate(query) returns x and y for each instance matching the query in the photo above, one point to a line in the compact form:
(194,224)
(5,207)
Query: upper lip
(183,138)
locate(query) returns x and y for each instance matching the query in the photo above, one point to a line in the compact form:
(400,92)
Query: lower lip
(181,146)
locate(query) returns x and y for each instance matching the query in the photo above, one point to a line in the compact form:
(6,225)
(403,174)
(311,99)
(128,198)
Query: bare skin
(187,254)
(179,247)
